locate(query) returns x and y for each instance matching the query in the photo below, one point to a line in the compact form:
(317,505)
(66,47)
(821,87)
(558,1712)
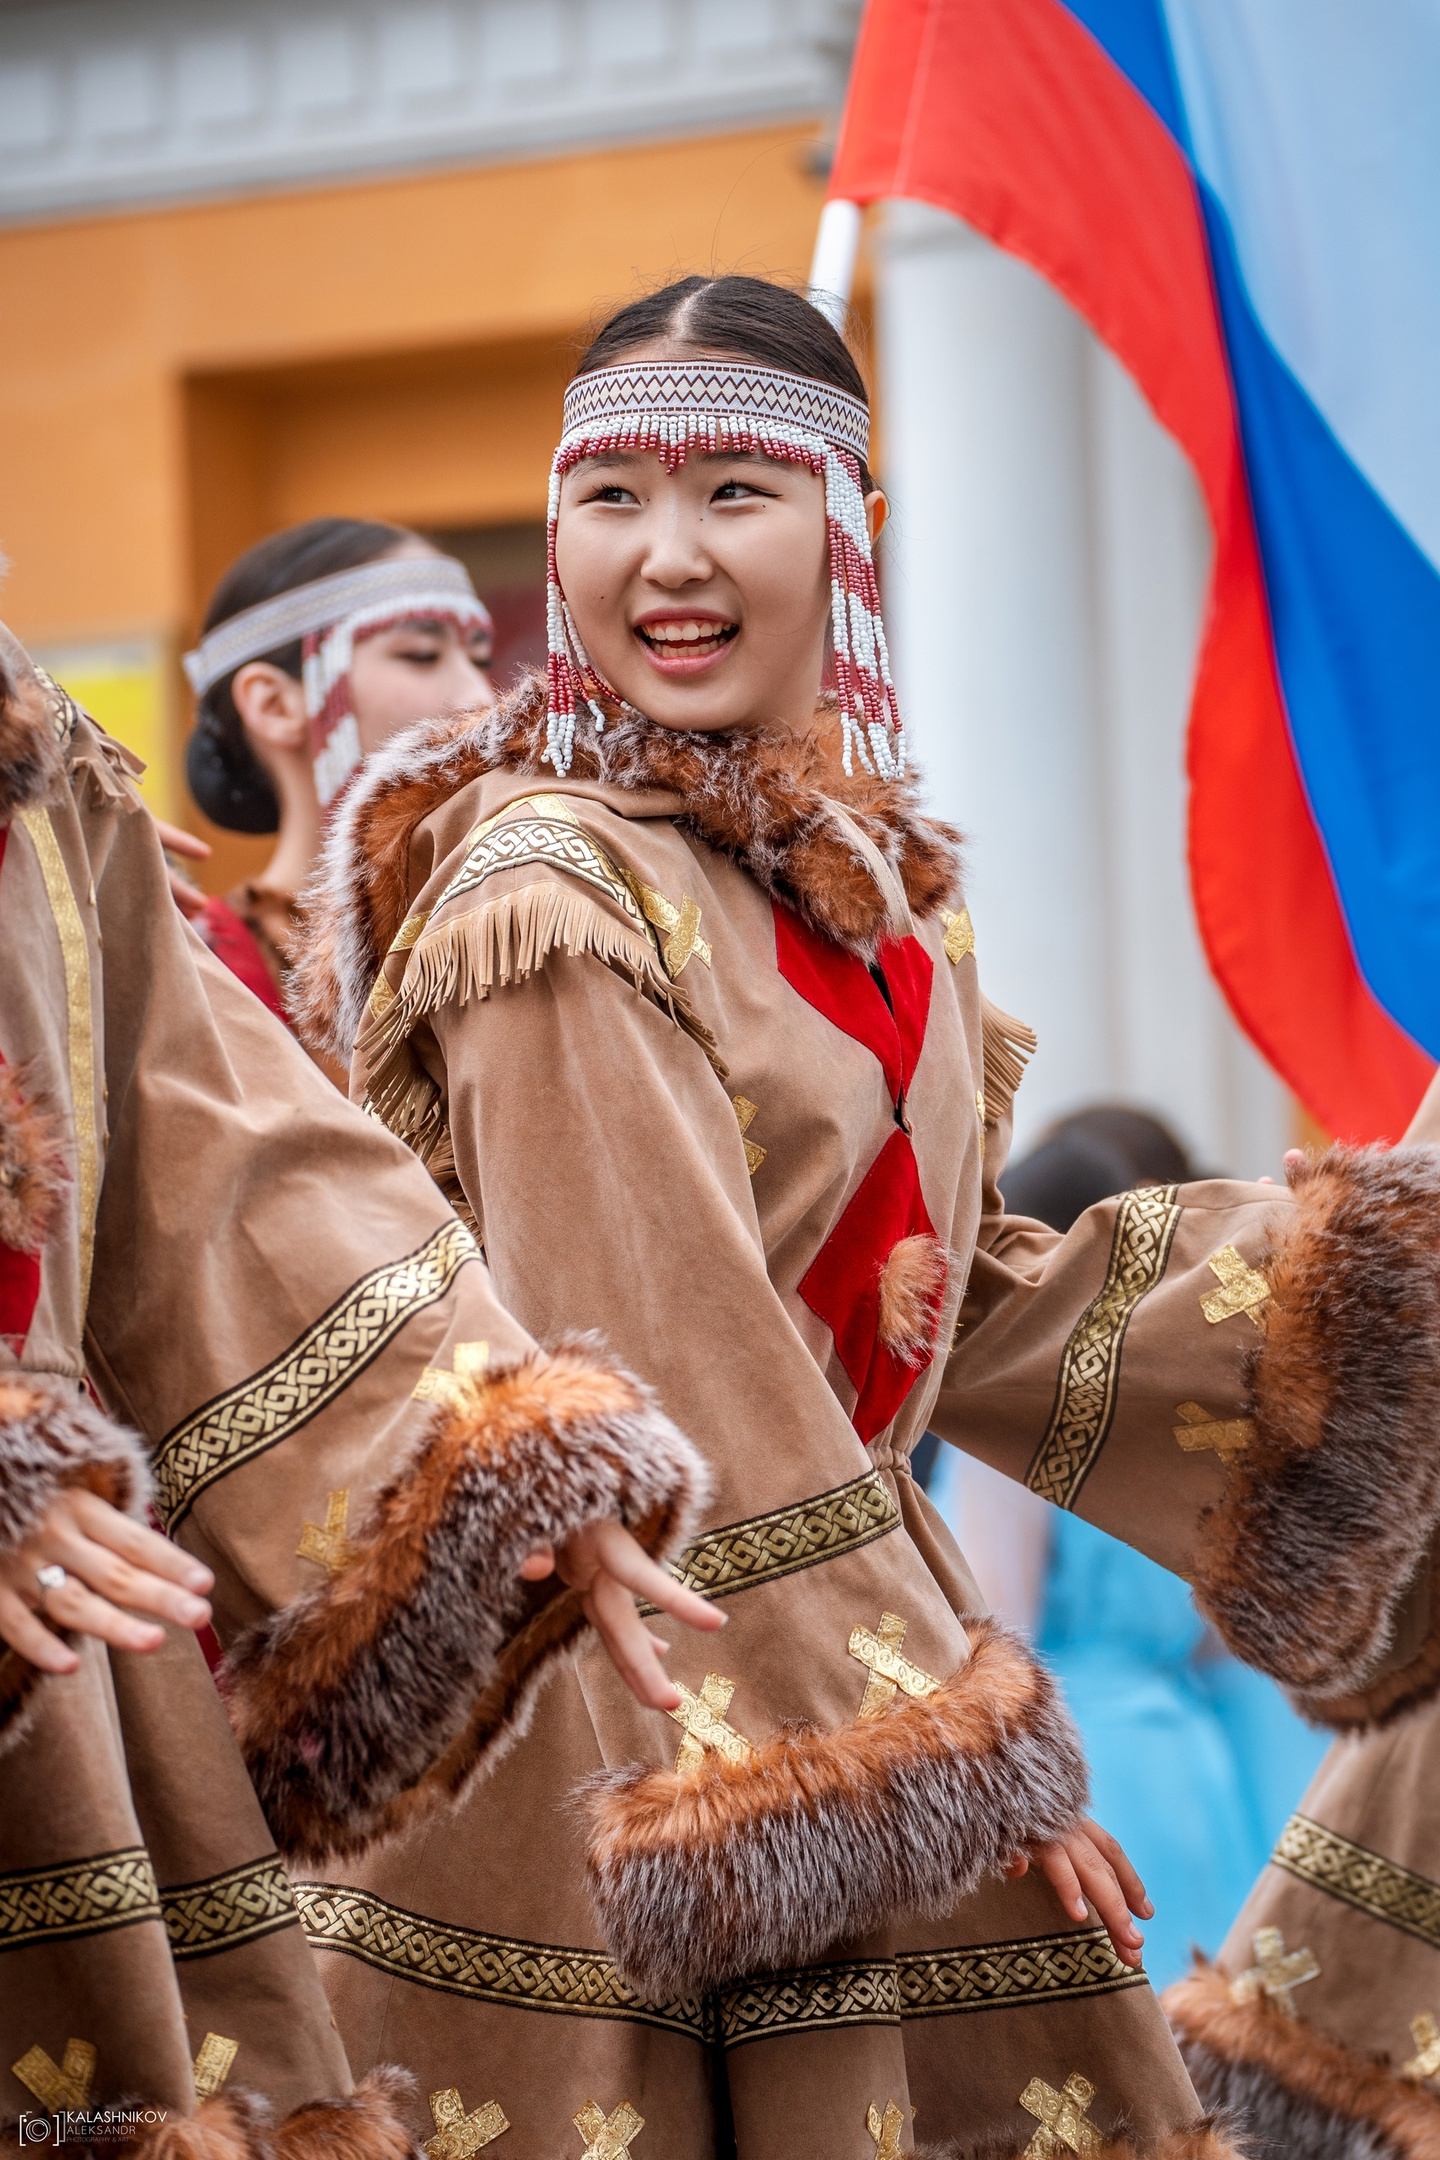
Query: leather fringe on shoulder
(1008,1046)
(1292,2093)
(392,1685)
(765,800)
(701,1877)
(1338,1493)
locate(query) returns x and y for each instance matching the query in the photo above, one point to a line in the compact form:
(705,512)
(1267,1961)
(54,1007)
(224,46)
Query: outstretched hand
(176,841)
(611,1569)
(115,1569)
(1089,1863)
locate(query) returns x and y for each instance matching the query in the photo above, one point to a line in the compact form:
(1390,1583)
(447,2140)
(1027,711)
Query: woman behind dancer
(320,643)
(669,980)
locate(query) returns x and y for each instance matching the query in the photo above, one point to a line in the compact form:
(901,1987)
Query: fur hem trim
(768,801)
(1336,1499)
(33,1168)
(1292,2089)
(239,2125)
(406,1674)
(702,1877)
(912,1289)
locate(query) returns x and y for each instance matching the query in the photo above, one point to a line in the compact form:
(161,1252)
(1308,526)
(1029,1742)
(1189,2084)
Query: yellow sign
(124,685)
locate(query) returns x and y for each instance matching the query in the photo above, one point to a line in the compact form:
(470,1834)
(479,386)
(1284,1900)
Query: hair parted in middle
(751,366)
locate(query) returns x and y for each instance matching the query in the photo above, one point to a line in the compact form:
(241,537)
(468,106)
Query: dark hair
(1088,1156)
(749,317)
(226,779)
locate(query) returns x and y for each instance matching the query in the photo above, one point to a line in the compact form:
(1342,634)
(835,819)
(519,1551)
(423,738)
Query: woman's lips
(686,645)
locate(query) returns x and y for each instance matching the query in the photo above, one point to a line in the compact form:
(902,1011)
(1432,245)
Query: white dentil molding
(109,103)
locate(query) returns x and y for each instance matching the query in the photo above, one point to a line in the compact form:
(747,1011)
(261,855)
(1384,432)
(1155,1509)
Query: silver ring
(52,1577)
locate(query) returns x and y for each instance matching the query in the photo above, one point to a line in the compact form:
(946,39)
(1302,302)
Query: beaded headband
(723,405)
(328,615)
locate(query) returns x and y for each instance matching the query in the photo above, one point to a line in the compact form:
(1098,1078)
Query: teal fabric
(1196,1762)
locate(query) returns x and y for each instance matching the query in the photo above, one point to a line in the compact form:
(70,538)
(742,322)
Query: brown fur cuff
(52,1435)
(1291,2093)
(402,1676)
(702,1877)
(1337,1497)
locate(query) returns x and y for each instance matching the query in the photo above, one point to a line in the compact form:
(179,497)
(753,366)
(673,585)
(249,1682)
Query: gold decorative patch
(815,1998)
(212,2065)
(1061,2116)
(680,927)
(221,1911)
(703,1717)
(1243,1289)
(1359,1877)
(329,1544)
(885,2129)
(1085,1394)
(746,1113)
(889,1671)
(274,1403)
(458,2135)
(763,1548)
(995,1976)
(61,2087)
(494,1969)
(1277,1972)
(79,1026)
(560,845)
(457,1390)
(608,2137)
(1199,1429)
(959,934)
(1425,2062)
(382,996)
(80,1897)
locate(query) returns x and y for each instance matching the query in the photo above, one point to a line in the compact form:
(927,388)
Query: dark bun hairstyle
(746,318)
(226,779)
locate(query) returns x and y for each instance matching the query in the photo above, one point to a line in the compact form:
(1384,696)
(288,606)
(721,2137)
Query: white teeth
(684,633)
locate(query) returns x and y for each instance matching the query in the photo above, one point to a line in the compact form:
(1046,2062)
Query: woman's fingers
(133,1541)
(1101,1885)
(98,1569)
(73,1606)
(626,1559)
(634,1651)
(540,1563)
(1055,1865)
(23,1632)
(1112,1850)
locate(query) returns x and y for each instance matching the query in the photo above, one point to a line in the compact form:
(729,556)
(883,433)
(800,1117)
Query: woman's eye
(611,494)
(418,657)
(734,491)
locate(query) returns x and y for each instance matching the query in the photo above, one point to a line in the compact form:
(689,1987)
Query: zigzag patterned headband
(724,405)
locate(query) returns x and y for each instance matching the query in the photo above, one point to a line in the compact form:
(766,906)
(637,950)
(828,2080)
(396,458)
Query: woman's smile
(685,642)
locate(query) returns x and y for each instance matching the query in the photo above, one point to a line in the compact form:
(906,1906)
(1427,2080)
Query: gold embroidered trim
(1201,1429)
(221,1911)
(80,1029)
(608,2137)
(703,1719)
(740,1555)
(328,1543)
(63,2085)
(1359,1877)
(274,1403)
(1243,1289)
(457,2135)
(1061,2116)
(746,1113)
(560,846)
(213,2064)
(885,2129)
(494,1969)
(82,1897)
(879,1651)
(1089,1380)
(1276,1973)
(680,927)
(926,1984)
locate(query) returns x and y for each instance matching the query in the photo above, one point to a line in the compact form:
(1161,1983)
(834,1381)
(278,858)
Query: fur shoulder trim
(1290,2088)
(407,1674)
(701,1877)
(1338,1493)
(768,801)
(36,722)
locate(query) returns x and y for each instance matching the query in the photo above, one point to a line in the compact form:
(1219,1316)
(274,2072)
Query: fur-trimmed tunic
(695,1039)
(259,1282)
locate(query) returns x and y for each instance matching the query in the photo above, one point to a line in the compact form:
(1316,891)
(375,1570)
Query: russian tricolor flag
(1243,199)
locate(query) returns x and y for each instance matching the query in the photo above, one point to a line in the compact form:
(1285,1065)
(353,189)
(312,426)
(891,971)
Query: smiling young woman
(663,972)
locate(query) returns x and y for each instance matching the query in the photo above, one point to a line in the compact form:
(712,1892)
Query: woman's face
(419,668)
(702,596)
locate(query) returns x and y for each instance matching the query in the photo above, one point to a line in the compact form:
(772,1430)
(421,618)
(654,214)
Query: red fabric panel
(232,940)
(843,989)
(842,1286)
(1013,118)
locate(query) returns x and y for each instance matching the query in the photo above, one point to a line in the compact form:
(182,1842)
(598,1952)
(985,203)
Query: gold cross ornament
(62,2088)
(1277,1972)
(1242,1289)
(458,1390)
(1061,2116)
(1425,2062)
(1229,1437)
(889,1671)
(458,2135)
(747,1112)
(959,935)
(331,1545)
(885,2129)
(211,2066)
(608,2137)
(703,1717)
(681,927)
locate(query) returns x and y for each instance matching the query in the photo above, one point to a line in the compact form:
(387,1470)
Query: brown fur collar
(1293,2093)
(760,799)
(702,1877)
(32,732)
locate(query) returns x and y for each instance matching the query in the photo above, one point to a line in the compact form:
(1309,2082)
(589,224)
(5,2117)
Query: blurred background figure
(1197,1762)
